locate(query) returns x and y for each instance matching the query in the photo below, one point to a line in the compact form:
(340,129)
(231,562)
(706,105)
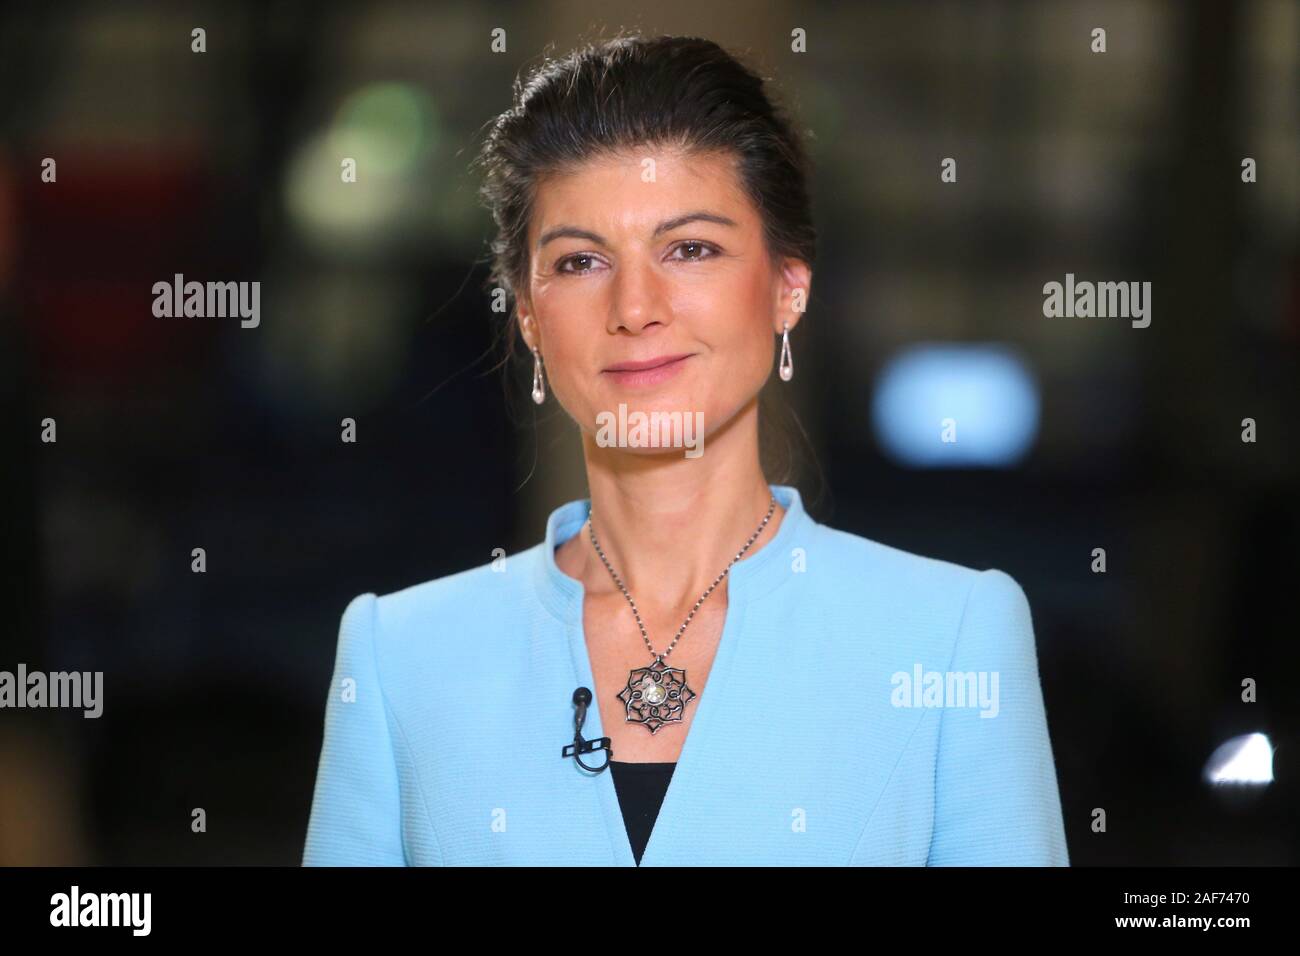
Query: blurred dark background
(181,433)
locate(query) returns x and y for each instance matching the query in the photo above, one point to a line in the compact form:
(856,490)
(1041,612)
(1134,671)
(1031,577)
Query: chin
(664,401)
(650,425)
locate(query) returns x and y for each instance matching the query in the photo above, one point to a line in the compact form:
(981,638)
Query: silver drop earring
(539,383)
(787,363)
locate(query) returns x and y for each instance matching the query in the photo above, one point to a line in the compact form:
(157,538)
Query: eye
(706,251)
(576,257)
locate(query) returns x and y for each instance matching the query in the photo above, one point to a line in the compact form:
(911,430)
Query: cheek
(568,335)
(564,320)
(744,328)
(725,310)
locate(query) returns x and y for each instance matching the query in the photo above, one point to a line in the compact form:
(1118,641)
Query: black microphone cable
(581,700)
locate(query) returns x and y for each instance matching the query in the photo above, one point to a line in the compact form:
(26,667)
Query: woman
(803,695)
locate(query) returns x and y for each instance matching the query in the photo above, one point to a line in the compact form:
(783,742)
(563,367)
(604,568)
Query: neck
(669,525)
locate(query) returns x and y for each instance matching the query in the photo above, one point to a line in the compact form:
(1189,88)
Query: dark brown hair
(633,91)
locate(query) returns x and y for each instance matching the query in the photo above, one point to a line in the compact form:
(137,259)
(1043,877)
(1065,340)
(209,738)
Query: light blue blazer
(866,706)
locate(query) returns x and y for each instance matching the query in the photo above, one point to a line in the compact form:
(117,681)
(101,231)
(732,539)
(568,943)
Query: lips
(647,364)
(647,374)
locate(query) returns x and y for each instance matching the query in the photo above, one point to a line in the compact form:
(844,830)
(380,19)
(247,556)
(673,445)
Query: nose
(638,299)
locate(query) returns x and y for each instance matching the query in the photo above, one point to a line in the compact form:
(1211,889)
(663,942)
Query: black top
(640,788)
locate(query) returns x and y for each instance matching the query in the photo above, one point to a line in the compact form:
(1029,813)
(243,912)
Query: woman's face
(651,255)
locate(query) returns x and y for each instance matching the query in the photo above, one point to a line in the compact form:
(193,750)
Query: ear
(527,325)
(793,290)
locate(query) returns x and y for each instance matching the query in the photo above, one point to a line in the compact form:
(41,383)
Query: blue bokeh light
(966,406)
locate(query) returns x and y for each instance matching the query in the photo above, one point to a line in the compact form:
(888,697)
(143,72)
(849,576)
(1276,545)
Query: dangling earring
(787,363)
(539,383)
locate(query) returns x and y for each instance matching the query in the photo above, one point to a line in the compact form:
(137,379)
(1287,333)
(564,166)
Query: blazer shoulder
(890,563)
(893,574)
(494,588)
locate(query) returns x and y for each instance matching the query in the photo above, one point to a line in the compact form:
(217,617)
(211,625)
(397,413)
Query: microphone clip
(580,745)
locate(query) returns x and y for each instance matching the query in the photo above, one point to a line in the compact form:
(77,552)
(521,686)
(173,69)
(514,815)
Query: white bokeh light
(1246,759)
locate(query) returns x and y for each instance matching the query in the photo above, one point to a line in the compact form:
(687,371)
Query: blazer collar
(756,573)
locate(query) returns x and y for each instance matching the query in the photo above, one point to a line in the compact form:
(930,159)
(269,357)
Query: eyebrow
(573,232)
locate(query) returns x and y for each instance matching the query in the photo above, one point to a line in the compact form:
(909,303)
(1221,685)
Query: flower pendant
(656,695)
